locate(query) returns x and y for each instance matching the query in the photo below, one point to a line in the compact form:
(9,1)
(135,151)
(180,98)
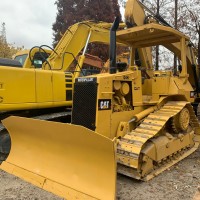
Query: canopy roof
(149,35)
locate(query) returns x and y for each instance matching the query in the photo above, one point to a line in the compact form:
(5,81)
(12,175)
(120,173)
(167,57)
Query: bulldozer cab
(154,34)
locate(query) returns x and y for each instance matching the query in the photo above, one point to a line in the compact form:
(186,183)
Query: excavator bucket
(68,160)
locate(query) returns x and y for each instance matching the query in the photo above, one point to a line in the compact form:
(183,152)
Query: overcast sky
(28,22)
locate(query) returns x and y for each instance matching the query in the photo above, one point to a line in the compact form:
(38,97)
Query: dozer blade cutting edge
(68,160)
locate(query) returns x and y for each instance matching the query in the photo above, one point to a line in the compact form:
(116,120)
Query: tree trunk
(175,24)
(199,48)
(157,47)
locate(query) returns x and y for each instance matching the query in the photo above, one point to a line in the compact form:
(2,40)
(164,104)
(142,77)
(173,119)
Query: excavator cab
(33,58)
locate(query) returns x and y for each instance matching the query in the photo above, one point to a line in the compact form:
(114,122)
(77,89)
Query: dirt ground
(180,182)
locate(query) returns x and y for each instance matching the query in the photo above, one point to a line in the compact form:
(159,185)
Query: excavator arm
(77,37)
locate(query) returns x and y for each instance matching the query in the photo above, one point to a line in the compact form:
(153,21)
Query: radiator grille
(84,104)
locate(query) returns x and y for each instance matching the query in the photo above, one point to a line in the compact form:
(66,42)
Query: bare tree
(6,50)
(157,47)
(191,22)
(175,26)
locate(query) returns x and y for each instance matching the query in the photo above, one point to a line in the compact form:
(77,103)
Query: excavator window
(21,58)
(10,62)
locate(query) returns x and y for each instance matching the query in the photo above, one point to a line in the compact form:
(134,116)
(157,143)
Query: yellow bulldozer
(137,122)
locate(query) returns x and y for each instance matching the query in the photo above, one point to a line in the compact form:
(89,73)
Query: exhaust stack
(113,29)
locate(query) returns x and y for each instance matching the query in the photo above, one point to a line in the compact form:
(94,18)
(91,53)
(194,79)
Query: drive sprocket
(181,121)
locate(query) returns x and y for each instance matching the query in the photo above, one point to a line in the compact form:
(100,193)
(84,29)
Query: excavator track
(133,148)
(198,111)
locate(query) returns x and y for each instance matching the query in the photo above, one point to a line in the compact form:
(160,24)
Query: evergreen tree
(73,11)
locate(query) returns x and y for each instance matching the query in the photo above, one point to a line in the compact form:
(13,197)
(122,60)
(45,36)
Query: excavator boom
(74,40)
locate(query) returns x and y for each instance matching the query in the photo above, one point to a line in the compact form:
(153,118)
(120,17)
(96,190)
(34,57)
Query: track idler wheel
(181,121)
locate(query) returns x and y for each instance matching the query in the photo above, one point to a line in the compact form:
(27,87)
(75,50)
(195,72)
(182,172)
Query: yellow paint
(62,167)
(73,161)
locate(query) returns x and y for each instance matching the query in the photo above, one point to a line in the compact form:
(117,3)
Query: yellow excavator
(51,86)
(127,121)
(39,79)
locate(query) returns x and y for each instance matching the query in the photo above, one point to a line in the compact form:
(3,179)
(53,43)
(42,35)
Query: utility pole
(176,27)
(157,47)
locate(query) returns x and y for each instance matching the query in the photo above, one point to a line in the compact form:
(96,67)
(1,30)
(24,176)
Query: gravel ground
(180,182)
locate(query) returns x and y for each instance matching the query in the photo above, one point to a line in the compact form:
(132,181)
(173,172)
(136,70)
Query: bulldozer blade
(68,160)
